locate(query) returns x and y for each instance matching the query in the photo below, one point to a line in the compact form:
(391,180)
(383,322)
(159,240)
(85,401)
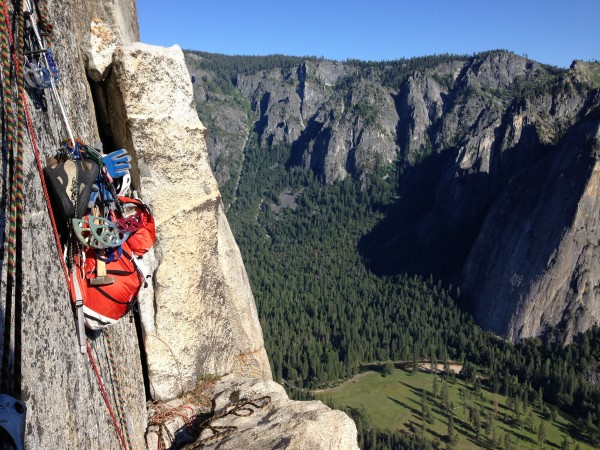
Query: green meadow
(403,401)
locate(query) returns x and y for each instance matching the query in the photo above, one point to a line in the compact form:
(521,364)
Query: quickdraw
(39,69)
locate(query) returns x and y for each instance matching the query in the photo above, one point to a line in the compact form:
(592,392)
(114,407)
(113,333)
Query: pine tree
(508,442)
(529,421)
(452,435)
(388,368)
(444,394)
(495,405)
(542,433)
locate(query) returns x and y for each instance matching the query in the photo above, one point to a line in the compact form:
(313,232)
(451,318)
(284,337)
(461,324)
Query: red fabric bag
(105,305)
(143,239)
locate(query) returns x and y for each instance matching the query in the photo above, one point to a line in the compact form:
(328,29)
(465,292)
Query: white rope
(29,9)
(62,111)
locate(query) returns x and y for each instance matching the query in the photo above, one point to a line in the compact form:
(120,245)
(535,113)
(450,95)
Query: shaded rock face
(328,132)
(203,319)
(493,203)
(546,268)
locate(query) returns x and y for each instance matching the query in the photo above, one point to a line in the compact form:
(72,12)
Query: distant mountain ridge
(499,153)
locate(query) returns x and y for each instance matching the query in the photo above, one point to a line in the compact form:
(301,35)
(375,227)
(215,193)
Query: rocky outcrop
(98,54)
(280,423)
(257,414)
(202,318)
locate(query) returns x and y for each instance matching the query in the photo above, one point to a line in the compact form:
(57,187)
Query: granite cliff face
(198,317)
(546,270)
(472,134)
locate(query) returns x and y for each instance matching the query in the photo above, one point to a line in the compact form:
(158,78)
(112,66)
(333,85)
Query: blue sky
(549,31)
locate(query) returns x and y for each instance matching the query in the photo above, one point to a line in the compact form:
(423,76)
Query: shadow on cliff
(432,226)
(473,228)
(3,216)
(520,240)
(310,147)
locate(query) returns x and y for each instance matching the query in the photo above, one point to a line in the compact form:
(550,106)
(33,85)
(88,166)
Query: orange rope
(105,395)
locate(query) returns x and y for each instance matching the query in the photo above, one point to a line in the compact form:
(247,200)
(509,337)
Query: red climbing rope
(105,395)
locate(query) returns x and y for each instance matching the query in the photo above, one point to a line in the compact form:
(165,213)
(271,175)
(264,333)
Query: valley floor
(396,403)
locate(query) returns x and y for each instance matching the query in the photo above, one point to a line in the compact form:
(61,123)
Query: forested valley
(325,313)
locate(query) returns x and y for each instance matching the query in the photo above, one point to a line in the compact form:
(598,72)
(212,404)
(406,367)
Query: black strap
(110,297)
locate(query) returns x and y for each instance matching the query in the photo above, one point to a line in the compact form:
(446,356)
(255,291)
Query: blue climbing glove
(117,163)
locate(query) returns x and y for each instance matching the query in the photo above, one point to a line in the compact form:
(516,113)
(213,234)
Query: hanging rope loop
(105,396)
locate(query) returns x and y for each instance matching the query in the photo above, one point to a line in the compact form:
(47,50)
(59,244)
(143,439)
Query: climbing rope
(105,395)
(15,227)
(117,388)
(19,178)
(7,28)
(164,414)
(8,146)
(6,31)
(4,169)
(46,26)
